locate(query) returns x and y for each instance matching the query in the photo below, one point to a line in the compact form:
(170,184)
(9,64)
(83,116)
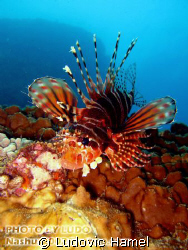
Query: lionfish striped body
(103,126)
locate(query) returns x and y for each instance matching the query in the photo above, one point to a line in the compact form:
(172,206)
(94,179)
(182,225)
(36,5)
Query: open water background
(35,39)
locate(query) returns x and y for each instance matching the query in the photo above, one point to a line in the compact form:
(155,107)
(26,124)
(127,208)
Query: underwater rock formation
(150,201)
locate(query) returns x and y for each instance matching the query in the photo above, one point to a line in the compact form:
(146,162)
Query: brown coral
(18,120)
(30,123)
(12,110)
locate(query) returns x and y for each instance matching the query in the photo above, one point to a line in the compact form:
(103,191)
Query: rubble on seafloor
(150,201)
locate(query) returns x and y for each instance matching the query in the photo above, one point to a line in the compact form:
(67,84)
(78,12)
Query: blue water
(35,39)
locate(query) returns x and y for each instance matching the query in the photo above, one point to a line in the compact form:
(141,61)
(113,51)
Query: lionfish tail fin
(153,115)
(127,151)
(55,97)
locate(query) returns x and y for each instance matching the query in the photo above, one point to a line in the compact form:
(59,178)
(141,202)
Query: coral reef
(150,201)
(30,123)
(10,147)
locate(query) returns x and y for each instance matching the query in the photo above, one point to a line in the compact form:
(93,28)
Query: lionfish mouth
(76,151)
(105,117)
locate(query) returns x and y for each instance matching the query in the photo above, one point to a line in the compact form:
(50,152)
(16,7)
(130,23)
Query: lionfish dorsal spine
(68,70)
(92,84)
(100,85)
(73,50)
(109,84)
(94,91)
(113,59)
(126,55)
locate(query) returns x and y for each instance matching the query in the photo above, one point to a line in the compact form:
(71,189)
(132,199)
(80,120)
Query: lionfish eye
(85,141)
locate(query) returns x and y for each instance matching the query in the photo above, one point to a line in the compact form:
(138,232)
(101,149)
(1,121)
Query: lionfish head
(76,150)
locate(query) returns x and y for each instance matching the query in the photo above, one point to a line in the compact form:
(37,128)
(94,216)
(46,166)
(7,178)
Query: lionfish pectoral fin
(153,115)
(128,151)
(54,96)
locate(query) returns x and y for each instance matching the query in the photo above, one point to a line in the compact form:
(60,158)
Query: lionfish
(103,125)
